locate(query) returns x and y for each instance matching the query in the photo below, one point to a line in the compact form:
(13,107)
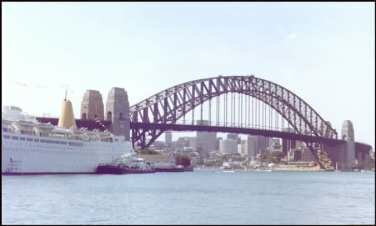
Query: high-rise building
(92,106)
(217,143)
(117,111)
(185,142)
(168,138)
(249,147)
(228,146)
(261,144)
(243,148)
(205,141)
(288,144)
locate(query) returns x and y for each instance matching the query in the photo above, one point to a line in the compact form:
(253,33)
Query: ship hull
(26,154)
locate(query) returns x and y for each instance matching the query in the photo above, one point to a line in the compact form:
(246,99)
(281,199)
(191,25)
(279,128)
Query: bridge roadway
(249,131)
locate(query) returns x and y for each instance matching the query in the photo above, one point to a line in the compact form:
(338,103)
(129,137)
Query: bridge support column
(349,151)
(360,158)
(349,155)
(341,155)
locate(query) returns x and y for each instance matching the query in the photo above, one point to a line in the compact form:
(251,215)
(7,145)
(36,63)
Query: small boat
(228,171)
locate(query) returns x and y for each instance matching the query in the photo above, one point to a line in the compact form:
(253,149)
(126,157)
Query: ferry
(31,147)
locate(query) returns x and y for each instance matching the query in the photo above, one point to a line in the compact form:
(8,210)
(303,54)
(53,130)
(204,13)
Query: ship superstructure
(30,147)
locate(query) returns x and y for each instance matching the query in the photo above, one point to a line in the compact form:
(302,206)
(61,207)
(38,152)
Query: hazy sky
(323,52)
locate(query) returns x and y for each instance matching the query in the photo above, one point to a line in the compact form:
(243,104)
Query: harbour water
(199,197)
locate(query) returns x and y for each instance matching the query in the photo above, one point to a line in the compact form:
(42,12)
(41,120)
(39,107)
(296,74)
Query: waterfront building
(117,111)
(92,106)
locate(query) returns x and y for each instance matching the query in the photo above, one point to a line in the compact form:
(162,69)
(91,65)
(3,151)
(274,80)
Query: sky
(323,52)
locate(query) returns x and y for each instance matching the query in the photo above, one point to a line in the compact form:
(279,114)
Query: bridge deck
(250,131)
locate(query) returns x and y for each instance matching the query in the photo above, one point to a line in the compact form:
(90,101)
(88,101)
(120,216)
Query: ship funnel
(66,119)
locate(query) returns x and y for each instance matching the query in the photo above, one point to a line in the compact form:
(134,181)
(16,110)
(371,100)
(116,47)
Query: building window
(121,116)
(83,116)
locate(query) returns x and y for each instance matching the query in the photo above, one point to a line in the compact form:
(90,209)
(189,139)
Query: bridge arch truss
(170,105)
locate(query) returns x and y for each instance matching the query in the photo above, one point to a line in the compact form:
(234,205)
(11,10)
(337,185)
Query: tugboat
(109,169)
(126,165)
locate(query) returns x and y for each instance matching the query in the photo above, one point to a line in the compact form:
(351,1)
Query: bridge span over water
(246,105)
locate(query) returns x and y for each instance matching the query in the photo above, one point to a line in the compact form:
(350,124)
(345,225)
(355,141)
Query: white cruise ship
(31,147)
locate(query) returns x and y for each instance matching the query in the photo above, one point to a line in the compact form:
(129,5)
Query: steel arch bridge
(160,112)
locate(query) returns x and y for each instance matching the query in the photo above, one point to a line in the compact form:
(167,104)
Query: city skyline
(324,53)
